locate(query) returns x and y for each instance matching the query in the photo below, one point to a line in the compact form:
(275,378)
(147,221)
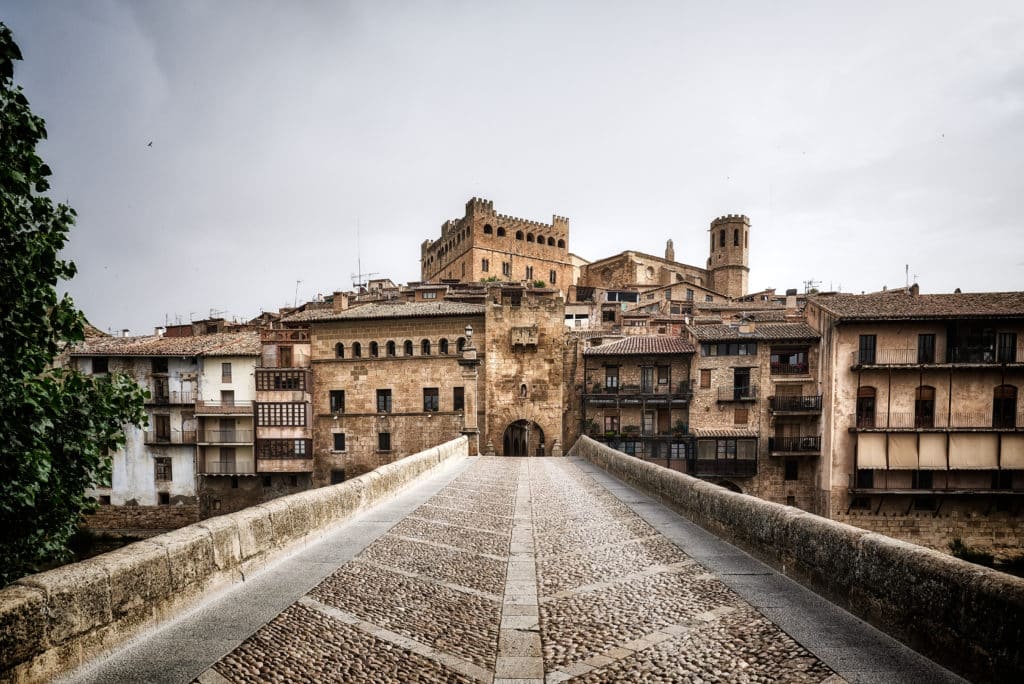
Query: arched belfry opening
(523,438)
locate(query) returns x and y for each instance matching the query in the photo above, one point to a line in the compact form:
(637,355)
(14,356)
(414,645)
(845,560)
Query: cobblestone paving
(520,570)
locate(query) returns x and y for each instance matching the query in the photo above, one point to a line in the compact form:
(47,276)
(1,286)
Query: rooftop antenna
(296,304)
(357,279)
(906,270)
(810,285)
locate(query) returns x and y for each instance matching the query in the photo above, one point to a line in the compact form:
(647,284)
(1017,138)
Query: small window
(225,372)
(611,377)
(501,232)
(488,230)
(705,378)
(460,344)
(163,469)
(430,398)
(506,268)
(926,348)
(553,277)
(433,295)
(791,469)
(442,346)
(551,242)
(407,348)
(425,348)
(529,273)
(721,238)
(458,398)
(611,423)
(741,415)
(736,237)
(485,265)
(529,237)
(390,347)
(866,349)
(708,299)
(163,498)
(357,350)
(339,441)
(99,365)
(339,350)
(519,235)
(383,401)
(374,350)
(384,441)
(663,375)
(337,401)
(561,243)
(104,500)
(160,365)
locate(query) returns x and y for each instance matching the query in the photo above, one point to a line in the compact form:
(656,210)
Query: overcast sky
(858,137)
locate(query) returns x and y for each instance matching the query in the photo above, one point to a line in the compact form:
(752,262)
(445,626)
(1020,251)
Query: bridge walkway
(517,570)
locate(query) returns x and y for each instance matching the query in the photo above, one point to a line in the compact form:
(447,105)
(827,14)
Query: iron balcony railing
(683,389)
(737,393)
(802,403)
(961,354)
(789,369)
(225,436)
(908,420)
(175,397)
(223,407)
(171,437)
(229,468)
(809,444)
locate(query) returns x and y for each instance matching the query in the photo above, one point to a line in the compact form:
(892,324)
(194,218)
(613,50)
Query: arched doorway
(523,438)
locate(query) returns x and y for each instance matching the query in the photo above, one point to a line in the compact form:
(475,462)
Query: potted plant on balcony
(679,429)
(631,430)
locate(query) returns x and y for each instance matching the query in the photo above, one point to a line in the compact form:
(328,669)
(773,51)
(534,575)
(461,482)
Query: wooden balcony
(807,404)
(172,398)
(225,436)
(940,422)
(802,445)
(154,437)
(678,394)
(223,408)
(961,356)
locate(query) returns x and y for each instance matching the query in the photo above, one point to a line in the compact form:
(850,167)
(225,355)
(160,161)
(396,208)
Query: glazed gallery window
(290,414)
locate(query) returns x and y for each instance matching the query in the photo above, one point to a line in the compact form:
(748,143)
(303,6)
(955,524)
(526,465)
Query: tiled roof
(219,344)
(392,310)
(889,306)
(722,432)
(762,331)
(643,344)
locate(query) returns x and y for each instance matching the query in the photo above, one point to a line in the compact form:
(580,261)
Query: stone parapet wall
(142,517)
(55,621)
(965,616)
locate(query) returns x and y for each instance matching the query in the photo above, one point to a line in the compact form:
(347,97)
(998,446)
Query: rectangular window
(383,441)
(283,448)
(708,299)
(791,469)
(268,380)
(611,423)
(458,399)
(741,415)
(281,414)
(485,265)
(227,397)
(553,277)
(663,375)
(163,469)
(99,365)
(339,441)
(225,372)
(789,361)
(926,348)
(163,426)
(337,401)
(337,476)
(160,365)
(506,268)
(611,377)
(383,401)
(705,378)
(430,295)
(1006,350)
(729,349)
(866,349)
(608,316)
(689,295)
(430,398)
(529,272)
(284,357)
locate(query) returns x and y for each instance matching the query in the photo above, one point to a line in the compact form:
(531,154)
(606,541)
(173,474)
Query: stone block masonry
(55,621)
(966,616)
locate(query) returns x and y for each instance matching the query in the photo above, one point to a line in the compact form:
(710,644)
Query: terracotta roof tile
(643,344)
(219,344)
(722,432)
(391,310)
(888,306)
(762,331)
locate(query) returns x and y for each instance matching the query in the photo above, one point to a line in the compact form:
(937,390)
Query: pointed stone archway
(523,438)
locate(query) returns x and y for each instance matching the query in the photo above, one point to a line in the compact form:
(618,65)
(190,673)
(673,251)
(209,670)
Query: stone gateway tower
(728,261)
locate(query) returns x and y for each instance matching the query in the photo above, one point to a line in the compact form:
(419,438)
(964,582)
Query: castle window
(561,243)
(357,350)
(339,441)
(529,237)
(712,243)
(553,277)
(408,347)
(337,398)
(488,230)
(551,242)
(746,239)
(460,344)
(501,232)
(374,350)
(383,401)
(529,272)
(506,268)
(391,348)
(442,346)
(458,398)
(721,238)
(519,235)
(384,441)
(425,348)
(736,237)
(339,350)
(431,398)
(485,265)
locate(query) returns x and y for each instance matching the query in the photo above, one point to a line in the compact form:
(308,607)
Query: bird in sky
(149,144)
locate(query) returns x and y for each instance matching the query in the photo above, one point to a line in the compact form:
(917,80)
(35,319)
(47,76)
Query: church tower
(728,261)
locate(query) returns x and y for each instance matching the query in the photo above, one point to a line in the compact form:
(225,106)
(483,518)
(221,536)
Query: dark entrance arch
(523,438)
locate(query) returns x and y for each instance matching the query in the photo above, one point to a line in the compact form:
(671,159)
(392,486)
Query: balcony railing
(223,407)
(172,437)
(789,369)
(807,444)
(808,403)
(737,393)
(166,398)
(229,468)
(906,420)
(284,335)
(679,389)
(225,436)
(954,355)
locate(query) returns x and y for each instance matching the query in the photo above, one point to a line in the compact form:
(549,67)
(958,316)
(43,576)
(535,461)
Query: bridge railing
(55,621)
(967,617)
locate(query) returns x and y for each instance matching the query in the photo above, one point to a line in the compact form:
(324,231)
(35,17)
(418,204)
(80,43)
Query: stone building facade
(923,432)
(485,245)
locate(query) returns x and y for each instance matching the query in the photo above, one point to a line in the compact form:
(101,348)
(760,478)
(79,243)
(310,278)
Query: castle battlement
(732,218)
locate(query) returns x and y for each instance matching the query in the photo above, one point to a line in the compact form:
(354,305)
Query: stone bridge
(440,567)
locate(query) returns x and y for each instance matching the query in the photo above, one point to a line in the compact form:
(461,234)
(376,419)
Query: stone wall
(142,517)
(53,622)
(965,616)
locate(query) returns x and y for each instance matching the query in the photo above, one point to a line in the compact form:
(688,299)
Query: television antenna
(357,278)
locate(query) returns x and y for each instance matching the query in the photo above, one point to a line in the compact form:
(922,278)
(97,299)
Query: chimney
(124,332)
(791,300)
(670,252)
(158,331)
(339,302)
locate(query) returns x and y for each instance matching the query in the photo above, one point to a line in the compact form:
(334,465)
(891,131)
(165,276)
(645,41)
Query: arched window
(339,350)
(357,350)
(374,350)
(501,232)
(442,346)
(488,229)
(866,407)
(721,238)
(522,391)
(391,348)
(736,237)
(519,235)
(460,344)
(1004,406)
(529,237)
(408,347)
(561,243)
(924,407)
(425,348)
(551,242)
